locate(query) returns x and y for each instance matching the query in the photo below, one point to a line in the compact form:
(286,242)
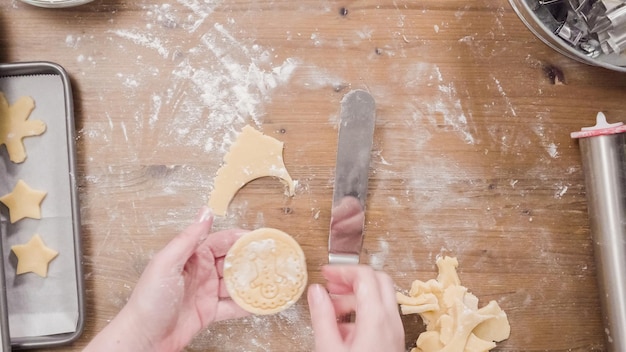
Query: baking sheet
(5,338)
(43,306)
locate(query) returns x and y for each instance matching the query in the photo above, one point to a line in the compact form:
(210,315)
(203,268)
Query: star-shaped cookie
(14,126)
(33,257)
(23,202)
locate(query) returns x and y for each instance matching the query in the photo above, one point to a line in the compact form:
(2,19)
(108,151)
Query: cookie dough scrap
(454,323)
(23,202)
(15,126)
(33,256)
(265,271)
(253,155)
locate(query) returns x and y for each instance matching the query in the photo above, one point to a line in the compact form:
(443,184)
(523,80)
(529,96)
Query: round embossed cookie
(265,271)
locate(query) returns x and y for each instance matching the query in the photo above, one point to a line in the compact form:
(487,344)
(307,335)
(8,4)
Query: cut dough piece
(14,126)
(23,202)
(454,323)
(265,271)
(33,257)
(253,155)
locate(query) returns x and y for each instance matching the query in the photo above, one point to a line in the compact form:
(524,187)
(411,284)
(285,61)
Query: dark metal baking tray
(23,79)
(5,338)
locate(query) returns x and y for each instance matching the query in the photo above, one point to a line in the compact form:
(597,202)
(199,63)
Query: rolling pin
(602,148)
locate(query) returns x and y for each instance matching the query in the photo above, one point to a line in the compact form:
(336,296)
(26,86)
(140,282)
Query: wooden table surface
(472,155)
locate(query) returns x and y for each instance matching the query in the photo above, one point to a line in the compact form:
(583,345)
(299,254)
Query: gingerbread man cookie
(265,271)
(15,126)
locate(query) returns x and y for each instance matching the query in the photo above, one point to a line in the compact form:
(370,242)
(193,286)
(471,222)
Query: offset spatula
(356,131)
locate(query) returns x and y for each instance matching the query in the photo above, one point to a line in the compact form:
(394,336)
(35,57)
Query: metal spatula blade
(356,131)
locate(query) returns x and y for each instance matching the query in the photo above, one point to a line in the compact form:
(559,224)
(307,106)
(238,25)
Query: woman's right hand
(371,296)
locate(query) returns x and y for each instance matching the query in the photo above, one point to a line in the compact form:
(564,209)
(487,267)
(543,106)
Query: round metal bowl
(615,62)
(56,3)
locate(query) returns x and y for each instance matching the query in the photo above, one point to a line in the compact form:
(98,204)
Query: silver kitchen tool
(356,131)
(602,148)
(56,3)
(592,32)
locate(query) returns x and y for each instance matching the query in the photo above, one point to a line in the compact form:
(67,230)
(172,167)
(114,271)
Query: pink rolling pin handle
(602,128)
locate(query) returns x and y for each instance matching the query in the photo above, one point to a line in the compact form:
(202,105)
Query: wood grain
(472,155)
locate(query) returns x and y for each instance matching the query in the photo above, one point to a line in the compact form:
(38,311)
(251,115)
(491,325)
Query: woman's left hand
(180,292)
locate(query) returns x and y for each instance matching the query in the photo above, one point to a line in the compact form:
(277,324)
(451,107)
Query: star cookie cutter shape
(33,256)
(23,202)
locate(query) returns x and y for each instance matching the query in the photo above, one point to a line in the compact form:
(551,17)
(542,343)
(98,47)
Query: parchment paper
(41,306)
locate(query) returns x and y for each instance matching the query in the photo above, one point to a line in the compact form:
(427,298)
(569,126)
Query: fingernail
(316,293)
(241,233)
(204,214)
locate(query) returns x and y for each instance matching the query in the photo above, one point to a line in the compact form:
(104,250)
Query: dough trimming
(253,155)
(454,323)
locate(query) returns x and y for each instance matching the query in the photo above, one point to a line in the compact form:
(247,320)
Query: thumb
(323,319)
(176,253)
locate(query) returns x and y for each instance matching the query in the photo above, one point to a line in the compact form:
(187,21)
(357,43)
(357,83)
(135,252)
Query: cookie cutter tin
(541,31)
(48,68)
(56,3)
